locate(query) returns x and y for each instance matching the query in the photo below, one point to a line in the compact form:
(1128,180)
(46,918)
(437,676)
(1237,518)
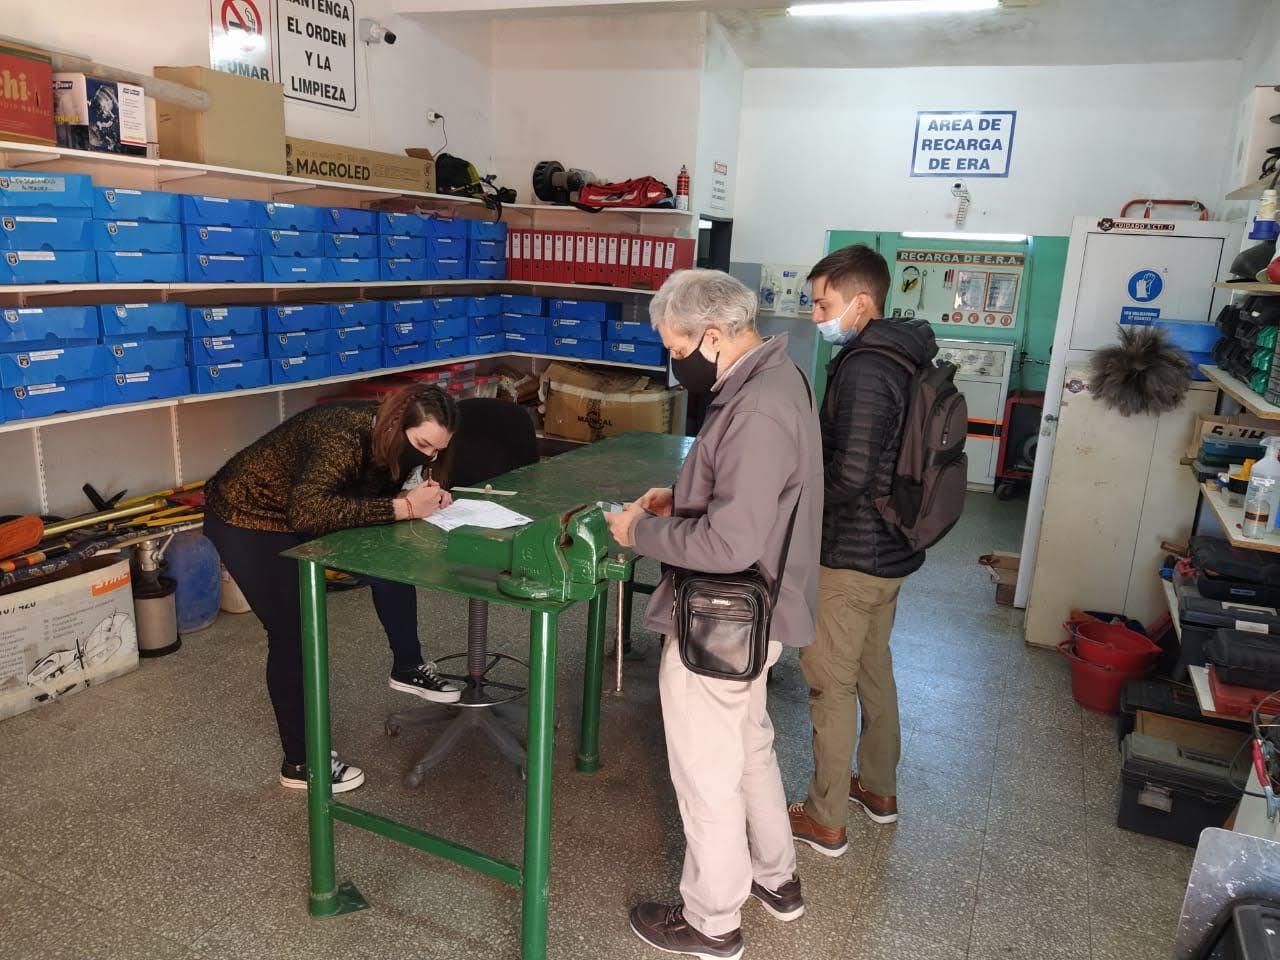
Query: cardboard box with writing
(66,633)
(316,160)
(26,94)
(100,115)
(588,406)
(243,128)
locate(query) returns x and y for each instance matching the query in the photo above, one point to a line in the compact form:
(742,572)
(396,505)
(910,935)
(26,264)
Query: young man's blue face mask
(831,332)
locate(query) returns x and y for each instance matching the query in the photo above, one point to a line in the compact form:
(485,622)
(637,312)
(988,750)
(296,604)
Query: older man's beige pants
(720,748)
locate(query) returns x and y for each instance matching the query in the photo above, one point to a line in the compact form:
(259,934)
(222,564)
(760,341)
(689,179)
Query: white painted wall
(444,67)
(824,149)
(719,118)
(1259,66)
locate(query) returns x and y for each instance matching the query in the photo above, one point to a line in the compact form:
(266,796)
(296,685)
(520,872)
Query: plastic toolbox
(360,337)
(441,308)
(1174,791)
(45,233)
(140,386)
(487,230)
(135,354)
(632,331)
(395,334)
(27,192)
(290,317)
(518,303)
(293,269)
(141,319)
(486,269)
(221,211)
(524,343)
(223,268)
(240,241)
(450,347)
(490,306)
(137,235)
(447,268)
(356,361)
(578,329)
(404,224)
(48,266)
(448,228)
(523,323)
(223,321)
(53,325)
(350,270)
(644,354)
(445,328)
(1166,698)
(239,375)
(1236,701)
(290,243)
(486,343)
(402,246)
(362,246)
(401,355)
(350,220)
(128,266)
(53,364)
(483,325)
(350,313)
(570,347)
(300,343)
(149,206)
(1201,616)
(313,366)
(586,310)
(236,348)
(291,216)
(48,399)
(406,311)
(400,270)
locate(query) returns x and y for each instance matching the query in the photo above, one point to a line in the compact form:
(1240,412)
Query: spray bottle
(1263,496)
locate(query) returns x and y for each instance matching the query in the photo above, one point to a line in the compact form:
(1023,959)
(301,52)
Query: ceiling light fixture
(960,235)
(890,8)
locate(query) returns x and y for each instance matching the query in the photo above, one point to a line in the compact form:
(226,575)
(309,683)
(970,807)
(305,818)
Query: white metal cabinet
(982,375)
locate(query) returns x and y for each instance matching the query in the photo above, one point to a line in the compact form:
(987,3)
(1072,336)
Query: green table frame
(413,553)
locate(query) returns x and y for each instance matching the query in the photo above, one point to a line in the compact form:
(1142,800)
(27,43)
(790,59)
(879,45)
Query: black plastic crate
(1174,792)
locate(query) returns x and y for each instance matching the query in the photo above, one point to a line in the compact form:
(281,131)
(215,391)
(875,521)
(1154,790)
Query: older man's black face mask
(695,372)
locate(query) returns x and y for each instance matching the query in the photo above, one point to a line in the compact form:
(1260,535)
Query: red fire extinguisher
(682,188)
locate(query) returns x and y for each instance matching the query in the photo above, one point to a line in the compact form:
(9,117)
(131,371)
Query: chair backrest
(494,437)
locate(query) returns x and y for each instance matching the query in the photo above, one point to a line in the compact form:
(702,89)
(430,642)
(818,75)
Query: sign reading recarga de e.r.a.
(963,143)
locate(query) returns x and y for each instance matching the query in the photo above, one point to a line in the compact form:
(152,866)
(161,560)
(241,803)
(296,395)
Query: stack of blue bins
(484,326)
(221,238)
(524,323)
(299,341)
(486,250)
(406,332)
(578,328)
(227,349)
(50,361)
(146,351)
(633,341)
(414,247)
(291,242)
(138,236)
(46,228)
(350,245)
(355,334)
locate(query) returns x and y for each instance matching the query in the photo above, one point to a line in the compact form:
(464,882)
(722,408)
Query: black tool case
(1172,791)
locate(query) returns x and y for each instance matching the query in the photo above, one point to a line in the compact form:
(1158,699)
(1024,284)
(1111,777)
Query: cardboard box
(26,94)
(244,127)
(66,633)
(316,160)
(588,406)
(101,115)
(1003,568)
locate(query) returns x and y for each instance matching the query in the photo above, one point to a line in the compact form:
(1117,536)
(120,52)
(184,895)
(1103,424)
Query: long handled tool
(25,533)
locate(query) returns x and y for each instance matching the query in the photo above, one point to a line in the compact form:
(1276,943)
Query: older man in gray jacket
(759,453)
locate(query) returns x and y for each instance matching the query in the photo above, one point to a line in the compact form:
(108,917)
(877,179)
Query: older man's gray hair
(693,300)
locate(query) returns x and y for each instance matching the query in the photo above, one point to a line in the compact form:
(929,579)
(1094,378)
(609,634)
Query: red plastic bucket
(1112,645)
(1094,685)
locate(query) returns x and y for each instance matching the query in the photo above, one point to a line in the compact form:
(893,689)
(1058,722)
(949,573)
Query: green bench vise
(559,557)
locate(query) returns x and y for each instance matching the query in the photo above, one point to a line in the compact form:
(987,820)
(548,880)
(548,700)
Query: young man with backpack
(893,429)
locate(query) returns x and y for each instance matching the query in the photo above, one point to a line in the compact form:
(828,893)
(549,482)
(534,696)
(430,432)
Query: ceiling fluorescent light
(890,8)
(959,235)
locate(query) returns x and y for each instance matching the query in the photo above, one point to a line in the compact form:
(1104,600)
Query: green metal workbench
(414,552)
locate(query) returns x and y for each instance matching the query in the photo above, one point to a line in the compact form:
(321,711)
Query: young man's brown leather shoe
(828,841)
(878,808)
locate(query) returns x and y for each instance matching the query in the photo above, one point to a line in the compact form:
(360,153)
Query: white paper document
(477,513)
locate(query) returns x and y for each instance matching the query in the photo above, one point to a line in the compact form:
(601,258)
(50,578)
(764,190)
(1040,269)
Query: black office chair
(495,436)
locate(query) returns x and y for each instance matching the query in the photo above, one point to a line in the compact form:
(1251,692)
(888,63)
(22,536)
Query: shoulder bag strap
(791,523)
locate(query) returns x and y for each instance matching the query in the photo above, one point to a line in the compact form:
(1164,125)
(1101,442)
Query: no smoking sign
(240,38)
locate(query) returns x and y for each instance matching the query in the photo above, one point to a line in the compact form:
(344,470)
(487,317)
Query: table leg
(537,805)
(628,594)
(592,681)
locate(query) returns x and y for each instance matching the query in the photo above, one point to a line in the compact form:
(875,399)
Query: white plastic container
(1262,498)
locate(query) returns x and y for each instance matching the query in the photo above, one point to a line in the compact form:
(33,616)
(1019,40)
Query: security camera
(371,31)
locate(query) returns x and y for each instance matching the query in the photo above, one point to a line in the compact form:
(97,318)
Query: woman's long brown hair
(403,410)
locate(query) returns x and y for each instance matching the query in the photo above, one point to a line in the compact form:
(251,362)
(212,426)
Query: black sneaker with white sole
(423,681)
(785,903)
(345,776)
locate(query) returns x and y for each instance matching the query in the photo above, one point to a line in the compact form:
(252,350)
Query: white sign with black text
(719,202)
(963,143)
(316,50)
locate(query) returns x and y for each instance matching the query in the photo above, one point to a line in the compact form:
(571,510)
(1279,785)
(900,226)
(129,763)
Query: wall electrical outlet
(434,117)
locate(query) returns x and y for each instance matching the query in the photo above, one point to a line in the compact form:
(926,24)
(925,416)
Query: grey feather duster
(1144,373)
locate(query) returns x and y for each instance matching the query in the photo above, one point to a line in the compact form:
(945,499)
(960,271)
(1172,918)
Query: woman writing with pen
(329,468)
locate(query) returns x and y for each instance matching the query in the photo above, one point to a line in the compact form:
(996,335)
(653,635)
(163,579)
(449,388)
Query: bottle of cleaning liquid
(1262,498)
(682,188)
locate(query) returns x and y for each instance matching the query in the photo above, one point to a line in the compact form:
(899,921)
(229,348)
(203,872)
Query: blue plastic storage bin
(301,343)
(442,308)
(487,250)
(135,354)
(223,268)
(1191,337)
(351,270)
(292,216)
(239,375)
(29,193)
(221,211)
(518,303)
(220,241)
(290,243)
(362,246)
(19,232)
(407,224)
(395,334)
(293,269)
(141,319)
(577,329)
(149,206)
(291,317)
(402,270)
(137,235)
(490,306)
(143,385)
(632,331)
(449,347)
(127,266)
(448,228)
(487,269)
(350,313)
(586,310)
(47,266)
(524,342)
(356,361)
(406,311)
(523,323)
(48,399)
(48,325)
(350,220)
(447,268)
(483,325)
(571,347)
(357,337)
(446,328)
(295,369)
(406,354)
(402,247)
(486,343)
(236,348)
(487,230)
(645,354)
(446,248)
(224,321)
(53,364)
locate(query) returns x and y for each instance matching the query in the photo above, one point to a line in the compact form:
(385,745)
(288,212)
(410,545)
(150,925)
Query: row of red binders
(601,259)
